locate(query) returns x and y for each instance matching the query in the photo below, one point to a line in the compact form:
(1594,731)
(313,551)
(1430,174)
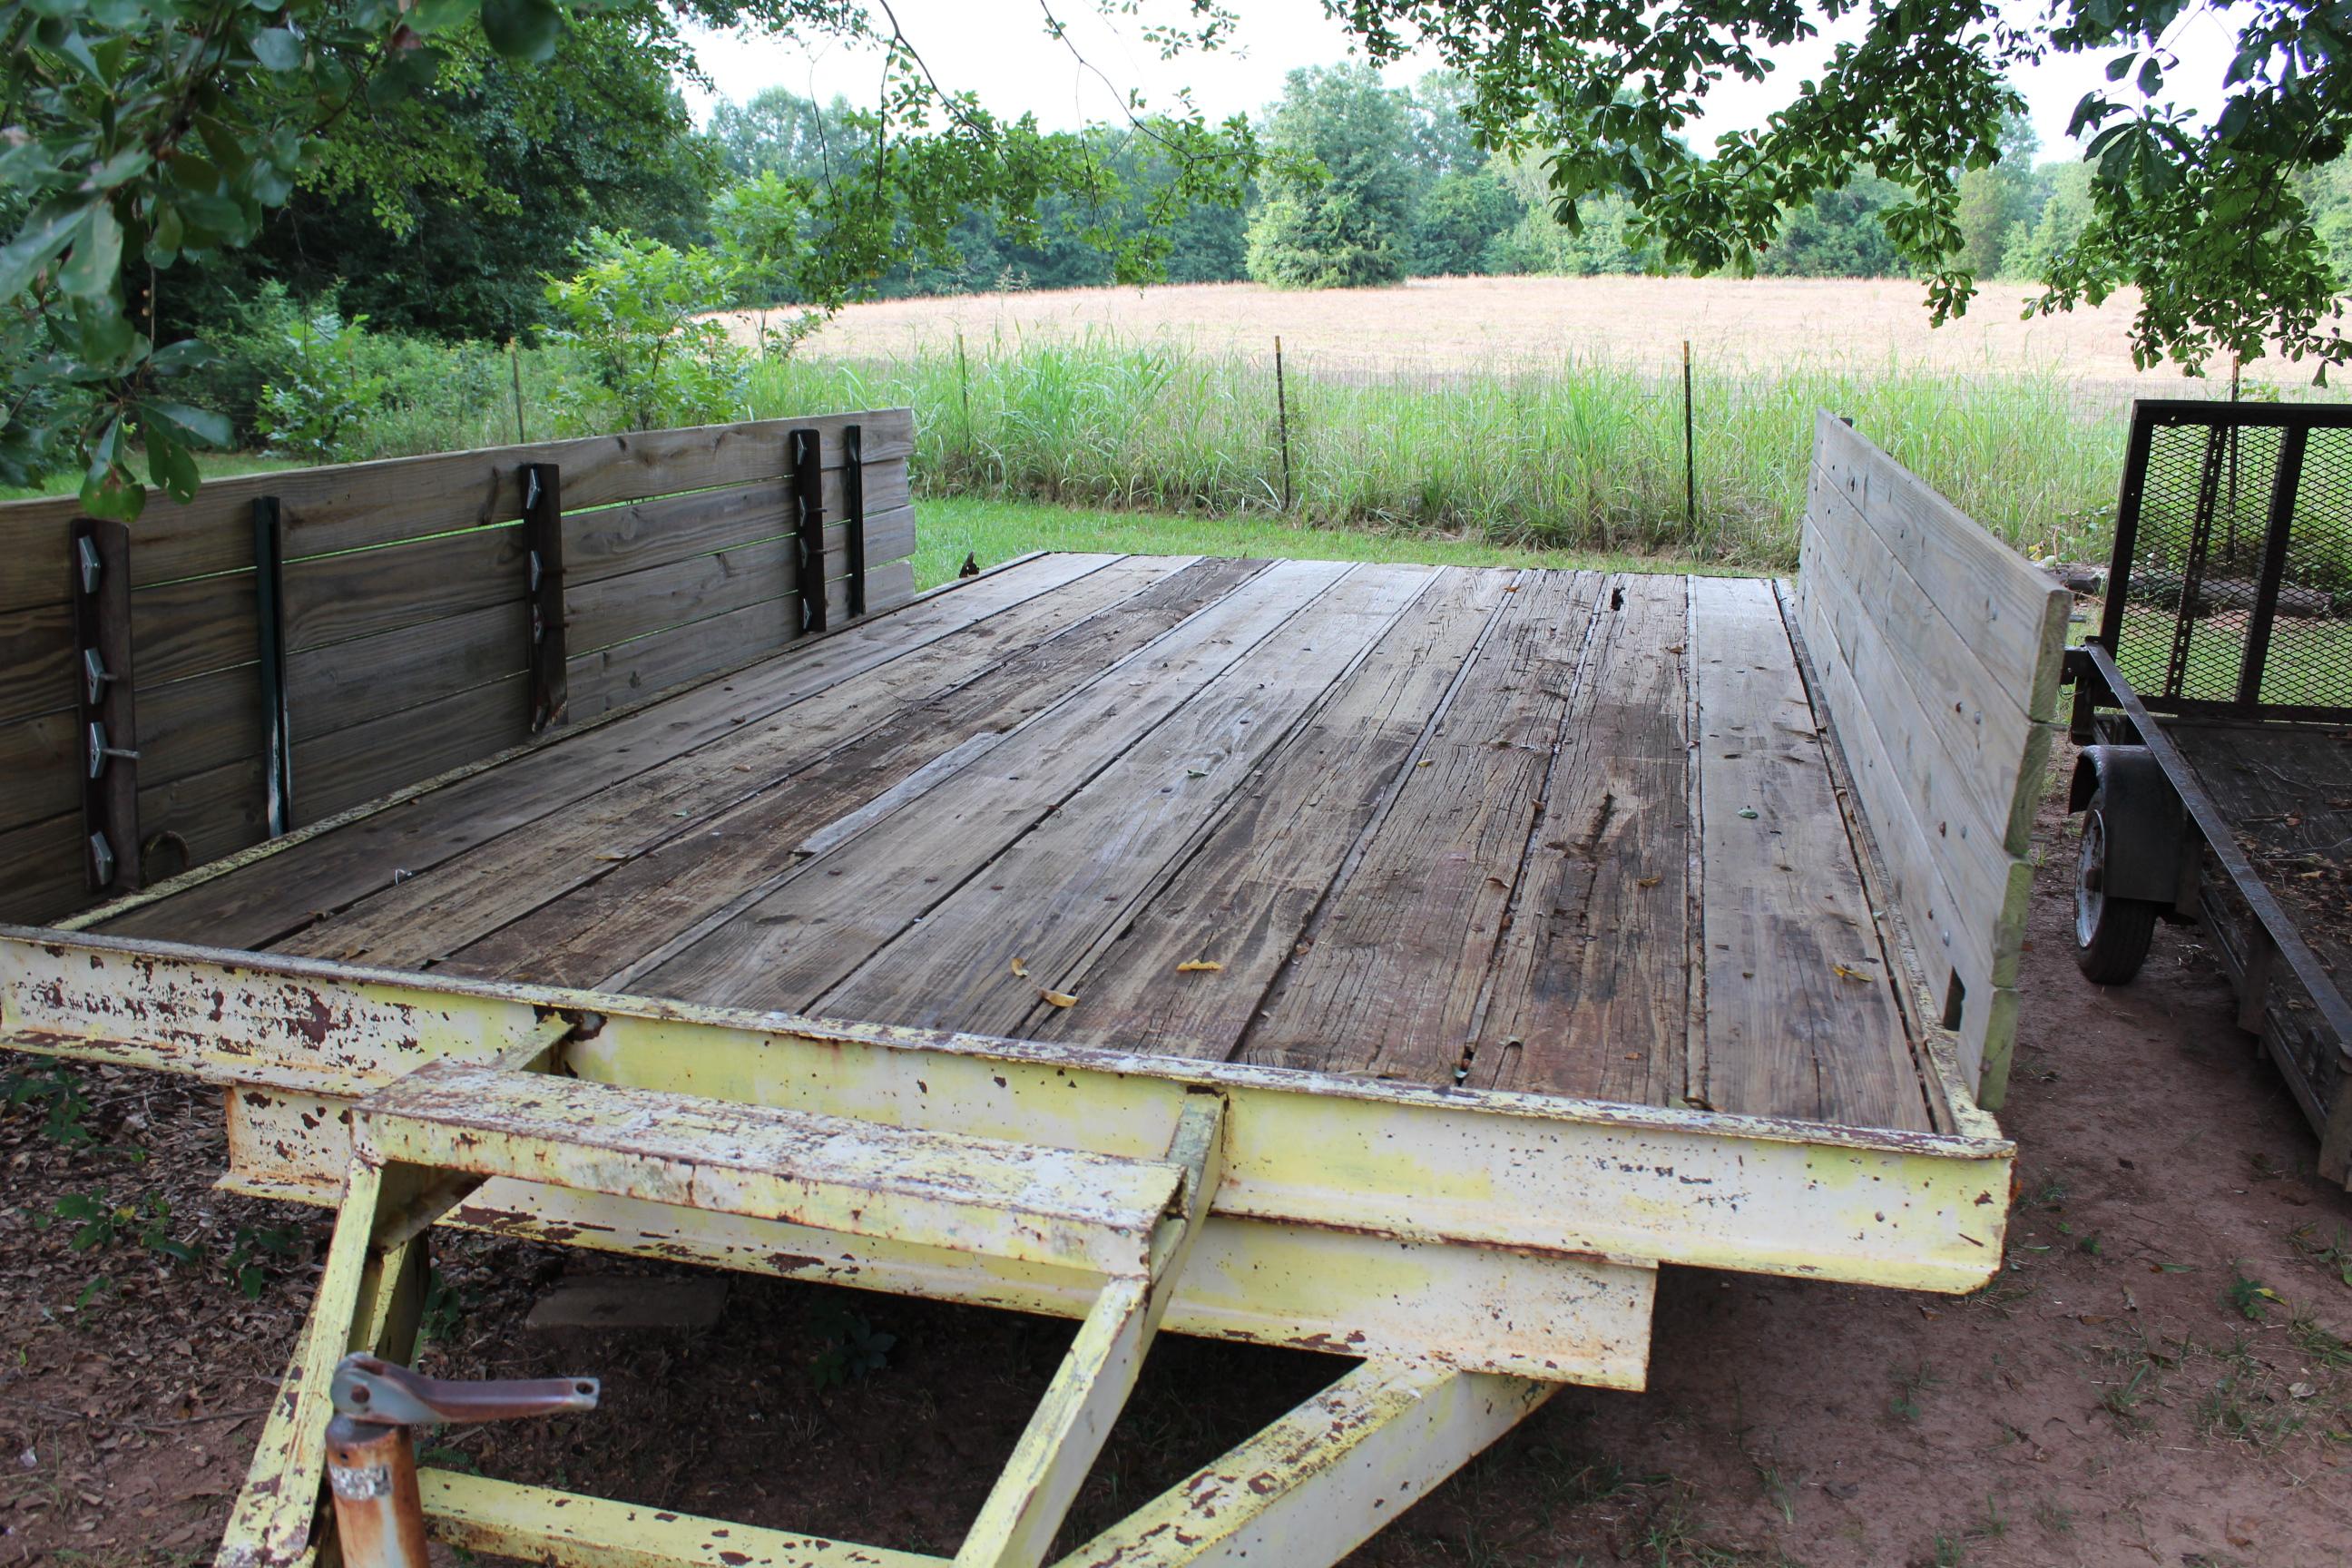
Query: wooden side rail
(303,640)
(1938,651)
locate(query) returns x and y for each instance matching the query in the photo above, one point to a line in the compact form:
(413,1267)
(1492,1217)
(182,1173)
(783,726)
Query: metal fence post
(1690,452)
(1282,421)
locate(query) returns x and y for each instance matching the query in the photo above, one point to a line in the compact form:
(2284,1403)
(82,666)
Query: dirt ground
(2157,1376)
(1482,324)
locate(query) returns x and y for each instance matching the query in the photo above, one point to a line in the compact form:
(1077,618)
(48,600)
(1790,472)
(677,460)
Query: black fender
(2147,826)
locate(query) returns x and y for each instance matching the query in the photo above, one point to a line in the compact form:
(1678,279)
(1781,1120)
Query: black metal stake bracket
(808,495)
(269,623)
(99,559)
(543,538)
(853,507)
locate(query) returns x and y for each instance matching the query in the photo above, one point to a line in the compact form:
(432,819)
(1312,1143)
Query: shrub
(636,310)
(320,390)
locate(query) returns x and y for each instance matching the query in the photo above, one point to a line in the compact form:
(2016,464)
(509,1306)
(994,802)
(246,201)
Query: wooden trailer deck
(1566,832)
(1395,961)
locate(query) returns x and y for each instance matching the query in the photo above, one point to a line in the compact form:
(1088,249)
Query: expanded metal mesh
(2192,627)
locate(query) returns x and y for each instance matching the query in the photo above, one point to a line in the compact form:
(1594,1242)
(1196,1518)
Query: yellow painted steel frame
(1476,1248)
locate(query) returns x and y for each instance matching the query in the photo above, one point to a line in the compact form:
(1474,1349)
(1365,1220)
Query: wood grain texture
(687,797)
(740,834)
(1965,894)
(35,659)
(1591,993)
(1800,1015)
(614,540)
(1243,898)
(816,927)
(210,814)
(252,905)
(347,683)
(1622,873)
(40,767)
(353,505)
(631,671)
(1392,970)
(341,768)
(1955,954)
(2010,613)
(1091,868)
(1906,655)
(332,599)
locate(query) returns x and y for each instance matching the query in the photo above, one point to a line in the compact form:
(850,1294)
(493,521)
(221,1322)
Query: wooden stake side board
(1937,652)
(406,618)
(1570,833)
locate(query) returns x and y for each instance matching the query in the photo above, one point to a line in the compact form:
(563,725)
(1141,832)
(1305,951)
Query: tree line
(499,180)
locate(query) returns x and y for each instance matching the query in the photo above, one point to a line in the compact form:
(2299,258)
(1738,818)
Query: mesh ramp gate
(2236,519)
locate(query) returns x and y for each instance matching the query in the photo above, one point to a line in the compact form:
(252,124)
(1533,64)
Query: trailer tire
(2111,934)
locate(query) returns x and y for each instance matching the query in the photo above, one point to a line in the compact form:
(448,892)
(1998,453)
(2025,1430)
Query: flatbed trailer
(1402,962)
(2214,707)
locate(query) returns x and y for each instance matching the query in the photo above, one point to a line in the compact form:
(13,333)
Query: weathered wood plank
(2010,614)
(40,768)
(41,863)
(502,880)
(1945,940)
(1905,653)
(669,874)
(630,671)
(1591,994)
(344,767)
(811,929)
(367,593)
(1244,897)
(1085,871)
(36,660)
(598,615)
(350,506)
(607,610)
(191,627)
(1395,963)
(1975,885)
(1800,1012)
(614,540)
(195,726)
(347,683)
(251,905)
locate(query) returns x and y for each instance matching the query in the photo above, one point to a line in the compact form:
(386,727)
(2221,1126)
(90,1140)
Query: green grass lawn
(949,529)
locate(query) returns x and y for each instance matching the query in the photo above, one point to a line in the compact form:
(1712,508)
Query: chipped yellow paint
(271,1523)
(1618,1183)
(1016,1523)
(834,1173)
(552,1526)
(1321,1480)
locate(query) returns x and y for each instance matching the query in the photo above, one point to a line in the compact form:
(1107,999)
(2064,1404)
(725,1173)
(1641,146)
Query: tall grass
(1575,455)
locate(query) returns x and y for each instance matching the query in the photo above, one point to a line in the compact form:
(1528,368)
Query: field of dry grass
(1478,324)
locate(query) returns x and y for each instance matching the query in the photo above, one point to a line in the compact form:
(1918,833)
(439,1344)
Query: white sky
(998,49)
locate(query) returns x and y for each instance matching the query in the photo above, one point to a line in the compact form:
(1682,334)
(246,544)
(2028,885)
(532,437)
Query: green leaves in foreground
(143,133)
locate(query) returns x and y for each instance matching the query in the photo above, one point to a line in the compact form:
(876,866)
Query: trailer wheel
(2111,934)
